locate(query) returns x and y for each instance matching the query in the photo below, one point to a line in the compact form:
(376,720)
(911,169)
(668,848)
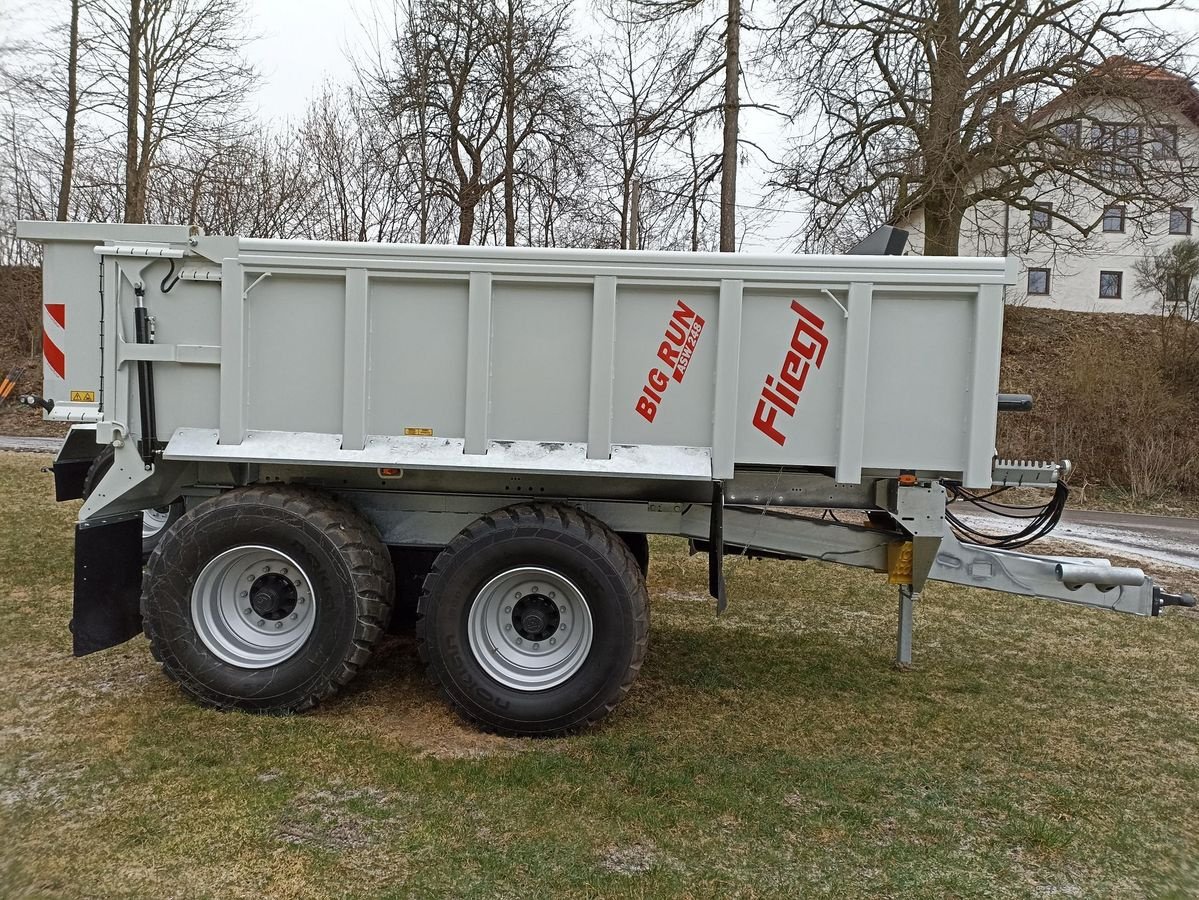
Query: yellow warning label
(83,396)
(418,432)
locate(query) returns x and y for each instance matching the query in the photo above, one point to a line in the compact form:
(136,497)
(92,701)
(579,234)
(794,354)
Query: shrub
(1123,421)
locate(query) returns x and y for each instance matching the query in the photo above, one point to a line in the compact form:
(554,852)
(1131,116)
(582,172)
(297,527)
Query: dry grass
(1036,751)
(1102,401)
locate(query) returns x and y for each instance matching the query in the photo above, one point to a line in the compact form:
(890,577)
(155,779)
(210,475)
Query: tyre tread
(600,538)
(373,584)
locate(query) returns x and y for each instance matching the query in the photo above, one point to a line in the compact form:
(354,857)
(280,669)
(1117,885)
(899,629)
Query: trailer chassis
(756,513)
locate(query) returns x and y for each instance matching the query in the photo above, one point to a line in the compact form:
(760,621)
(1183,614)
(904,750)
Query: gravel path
(30,444)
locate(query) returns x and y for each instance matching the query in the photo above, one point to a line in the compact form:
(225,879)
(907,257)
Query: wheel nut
(261,623)
(562,627)
(295,615)
(266,568)
(248,611)
(553,594)
(284,570)
(278,624)
(519,641)
(507,609)
(245,593)
(518,595)
(562,609)
(536,646)
(507,628)
(553,641)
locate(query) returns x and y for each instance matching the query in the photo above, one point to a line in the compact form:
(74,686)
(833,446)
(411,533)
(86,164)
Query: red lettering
(668,354)
(792,365)
(764,417)
(681,338)
(781,393)
(647,409)
(811,325)
(682,314)
(783,402)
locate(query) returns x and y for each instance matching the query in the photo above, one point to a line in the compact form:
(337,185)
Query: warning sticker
(418,432)
(83,396)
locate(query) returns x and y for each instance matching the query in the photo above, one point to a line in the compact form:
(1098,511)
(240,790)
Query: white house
(1062,268)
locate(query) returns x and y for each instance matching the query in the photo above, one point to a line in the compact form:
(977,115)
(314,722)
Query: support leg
(903,652)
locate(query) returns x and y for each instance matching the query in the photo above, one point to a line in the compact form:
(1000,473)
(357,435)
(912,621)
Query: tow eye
(36,401)
(1161,600)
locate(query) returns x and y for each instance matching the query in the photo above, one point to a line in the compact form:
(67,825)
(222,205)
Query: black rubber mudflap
(108,583)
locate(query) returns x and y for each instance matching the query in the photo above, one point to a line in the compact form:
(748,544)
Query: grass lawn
(1035,751)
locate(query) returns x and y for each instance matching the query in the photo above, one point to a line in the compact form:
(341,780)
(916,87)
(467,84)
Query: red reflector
(54,358)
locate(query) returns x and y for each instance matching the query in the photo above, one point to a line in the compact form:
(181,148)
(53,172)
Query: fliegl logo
(781,392)
(675,352)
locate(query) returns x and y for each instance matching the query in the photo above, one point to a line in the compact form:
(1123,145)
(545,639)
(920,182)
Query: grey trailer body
(425,390)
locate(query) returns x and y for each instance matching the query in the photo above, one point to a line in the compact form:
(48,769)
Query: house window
(1163,143)
(1111,285)
(1180,220)
(1040,217)
(1069,133)
(1117,146)
(1177,288)
(1113,218)
(1038,281)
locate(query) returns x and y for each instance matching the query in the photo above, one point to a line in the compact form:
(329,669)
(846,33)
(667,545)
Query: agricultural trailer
(295,430)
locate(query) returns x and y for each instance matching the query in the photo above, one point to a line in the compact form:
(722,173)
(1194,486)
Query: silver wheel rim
(253,607)
(154,521)
(530,628)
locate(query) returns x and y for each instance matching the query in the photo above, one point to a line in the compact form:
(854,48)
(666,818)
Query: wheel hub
(253,607)
(536,617)
(273,596)
(530,628)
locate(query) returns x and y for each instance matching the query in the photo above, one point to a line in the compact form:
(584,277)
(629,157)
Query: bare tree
(714,55)
(135,203)
(72,112)
(173,72)
(632,107)
(444,59)
(531,47)
(1172,276)
(942,105)
(258,186)
(359,187)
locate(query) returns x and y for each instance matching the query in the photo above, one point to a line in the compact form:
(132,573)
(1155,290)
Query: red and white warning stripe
(54,338)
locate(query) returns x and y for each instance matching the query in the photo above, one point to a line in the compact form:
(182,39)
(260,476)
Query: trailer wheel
(267,599)
(534,620)
(155,521)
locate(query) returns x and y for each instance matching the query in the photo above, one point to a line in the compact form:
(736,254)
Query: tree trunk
(68,144)
(133,95)
(635,216)
(728,164)
(510,130)
(942,229)
(466,220)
